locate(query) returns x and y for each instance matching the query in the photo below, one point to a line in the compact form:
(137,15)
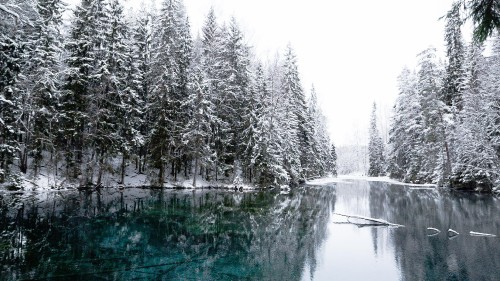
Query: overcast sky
(352,51)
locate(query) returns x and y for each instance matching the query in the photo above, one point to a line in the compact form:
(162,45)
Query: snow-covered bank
(42,182)
(348,178)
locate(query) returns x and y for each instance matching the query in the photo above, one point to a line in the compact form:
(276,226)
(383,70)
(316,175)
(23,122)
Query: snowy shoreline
(44,182)
(348,178)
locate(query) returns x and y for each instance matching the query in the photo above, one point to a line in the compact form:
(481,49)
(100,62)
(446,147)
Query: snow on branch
(374,221)
(8,11)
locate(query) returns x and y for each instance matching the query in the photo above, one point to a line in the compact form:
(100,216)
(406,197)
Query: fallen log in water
(374,221)
(452,233)
(435,231)
(473,233)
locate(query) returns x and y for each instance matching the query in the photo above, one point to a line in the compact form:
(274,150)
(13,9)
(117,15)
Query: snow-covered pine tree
(86,60)
(172,58)
(143,79)
(492,92)
(197,132)
(294,120)
(319,160)
(406,128)
(333,161)
(476,160)
(267,154)
(123,103)
(452,90)
(432,140)
(375,147)
(253,110)
(12,28)
(215,65)
(455,51)
(47,79)
(237,97)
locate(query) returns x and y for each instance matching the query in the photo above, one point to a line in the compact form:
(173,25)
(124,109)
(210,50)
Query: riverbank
(44,181)
(359,177)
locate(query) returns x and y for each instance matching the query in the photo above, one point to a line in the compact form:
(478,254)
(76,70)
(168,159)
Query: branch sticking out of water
(473,233)
(435,231)
(374,221)
(452,232)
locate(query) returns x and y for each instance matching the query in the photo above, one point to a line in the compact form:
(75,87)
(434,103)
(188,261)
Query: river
(142,234)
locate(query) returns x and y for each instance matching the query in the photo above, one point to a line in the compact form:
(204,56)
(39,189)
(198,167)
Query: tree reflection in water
(152,234)
(221,235)
(421,256)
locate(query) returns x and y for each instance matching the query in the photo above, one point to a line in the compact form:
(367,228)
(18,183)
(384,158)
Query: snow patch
(351,177)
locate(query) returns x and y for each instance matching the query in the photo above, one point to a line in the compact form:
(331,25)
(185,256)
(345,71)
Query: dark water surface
(139,234)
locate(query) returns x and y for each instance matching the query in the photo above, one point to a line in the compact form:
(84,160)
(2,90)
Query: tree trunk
(101,171)
(124,158)
(160,175)
(23,161)
(195,171)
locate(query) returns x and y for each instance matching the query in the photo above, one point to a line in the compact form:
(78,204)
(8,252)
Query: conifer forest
(108,94)
(93,92)
(250,140)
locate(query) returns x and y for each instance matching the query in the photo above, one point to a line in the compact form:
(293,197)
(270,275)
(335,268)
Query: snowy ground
(348,178)
(47,180)
(43,182)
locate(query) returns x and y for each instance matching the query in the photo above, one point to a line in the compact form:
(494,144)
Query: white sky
(352,51)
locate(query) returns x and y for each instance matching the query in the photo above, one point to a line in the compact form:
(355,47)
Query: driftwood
(473,233)
(435,231)
(372,221)
(452,233)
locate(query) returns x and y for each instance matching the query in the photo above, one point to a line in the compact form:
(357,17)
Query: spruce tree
(172,57)
(476,159)
(143,80)
(10,66)
(406,127)
(333,159)
(375,148)
(267,155)
(294,119)
(432,139)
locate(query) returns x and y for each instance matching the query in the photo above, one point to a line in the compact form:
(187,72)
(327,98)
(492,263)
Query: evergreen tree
(238,100)
(455,50)
(375,148)
(172,57)
(11,51)
(333,159)
(143,80)
(267,154)
(86,60)
(476,159)
(432,139)
(319,160)
(406,127)
(294,124)
(214,65)
(48,79)
(123,103)
(197,132)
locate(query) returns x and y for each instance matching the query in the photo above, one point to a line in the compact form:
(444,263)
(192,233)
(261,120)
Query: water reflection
(144,234)
(423,256)
(216,235)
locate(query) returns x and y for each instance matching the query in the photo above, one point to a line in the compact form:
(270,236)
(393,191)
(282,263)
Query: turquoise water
(140,234)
